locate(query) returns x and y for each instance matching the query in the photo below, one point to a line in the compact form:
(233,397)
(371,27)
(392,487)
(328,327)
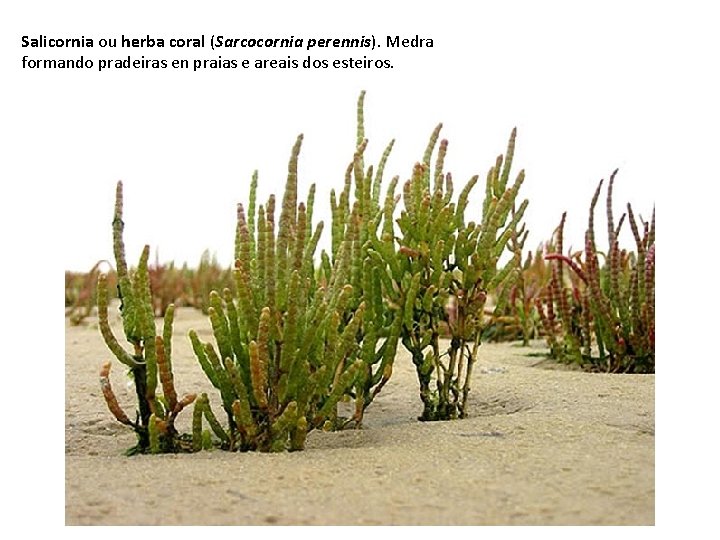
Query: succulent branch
(614,304)
(150,358)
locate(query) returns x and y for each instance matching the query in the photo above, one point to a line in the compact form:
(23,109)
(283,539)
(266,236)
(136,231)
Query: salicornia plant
(441,268)
(282,358)
(610,306)
(150,359)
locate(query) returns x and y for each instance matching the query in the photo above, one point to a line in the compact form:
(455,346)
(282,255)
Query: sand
(543,445)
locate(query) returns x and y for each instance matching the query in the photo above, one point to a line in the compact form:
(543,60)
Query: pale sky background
(591,86)
(584,90)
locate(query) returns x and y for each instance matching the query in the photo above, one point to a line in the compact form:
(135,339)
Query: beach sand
(543,445)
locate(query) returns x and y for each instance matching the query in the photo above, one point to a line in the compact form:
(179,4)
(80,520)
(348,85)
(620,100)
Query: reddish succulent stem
(569,262)
(650,288)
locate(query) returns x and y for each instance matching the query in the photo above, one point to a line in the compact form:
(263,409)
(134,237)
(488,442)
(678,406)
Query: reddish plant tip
(105,370)
(569,262)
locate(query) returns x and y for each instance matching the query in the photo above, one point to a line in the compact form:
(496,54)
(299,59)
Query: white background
(590,86)
(586,88)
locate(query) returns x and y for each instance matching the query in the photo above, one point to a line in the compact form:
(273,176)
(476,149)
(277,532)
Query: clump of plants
(295,337)
(607,312)
(284,353)
(185,286)
(166,284)
(519,314)
(441,268)
(149,360)
(181,286)
(81,292)
(199,282)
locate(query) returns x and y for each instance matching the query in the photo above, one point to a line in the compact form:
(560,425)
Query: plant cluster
(514,316)
(441,268)
(303,342)
(181,286)
(284,354)
(602,315)
(81,292)
(185,286)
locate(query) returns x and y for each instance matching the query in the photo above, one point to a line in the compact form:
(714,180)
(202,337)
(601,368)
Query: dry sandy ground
(542,446)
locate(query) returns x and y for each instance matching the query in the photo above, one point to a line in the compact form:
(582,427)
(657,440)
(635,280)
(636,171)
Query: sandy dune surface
(542,445)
